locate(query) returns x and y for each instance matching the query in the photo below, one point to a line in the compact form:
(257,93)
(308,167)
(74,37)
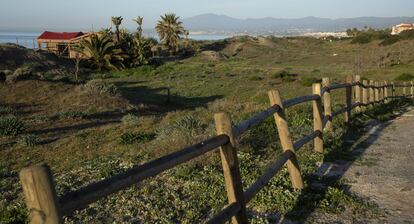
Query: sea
(28,39)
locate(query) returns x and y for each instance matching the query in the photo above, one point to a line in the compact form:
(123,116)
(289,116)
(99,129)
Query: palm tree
(102,52)
(139,21)
(169,28)
(117,20)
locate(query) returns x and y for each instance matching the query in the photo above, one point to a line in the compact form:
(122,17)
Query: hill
(213,22)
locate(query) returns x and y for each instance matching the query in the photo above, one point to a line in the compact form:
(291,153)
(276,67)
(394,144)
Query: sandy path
(385,171)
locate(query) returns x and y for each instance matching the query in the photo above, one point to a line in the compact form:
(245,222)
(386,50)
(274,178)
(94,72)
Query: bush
(136,137)
(362,38)
(404,77)
(390,40)
(28,140)
(11,125)
(100,87)
(308,80)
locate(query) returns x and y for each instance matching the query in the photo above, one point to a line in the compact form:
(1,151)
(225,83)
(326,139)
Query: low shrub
(28,140)
(189,123)
(98,86)
(404,77)
(130,119)
(11,125)
(136,137)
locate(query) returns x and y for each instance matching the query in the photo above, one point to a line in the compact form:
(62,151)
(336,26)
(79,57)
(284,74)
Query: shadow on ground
(161,97)
(354,144)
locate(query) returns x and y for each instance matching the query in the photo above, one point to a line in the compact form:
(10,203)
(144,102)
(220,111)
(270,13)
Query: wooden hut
(61,43)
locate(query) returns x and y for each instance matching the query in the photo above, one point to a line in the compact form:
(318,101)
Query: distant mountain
(222,23)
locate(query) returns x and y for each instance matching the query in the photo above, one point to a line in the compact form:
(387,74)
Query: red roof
(59,36)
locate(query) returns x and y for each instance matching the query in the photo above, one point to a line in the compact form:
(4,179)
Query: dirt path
(385,171)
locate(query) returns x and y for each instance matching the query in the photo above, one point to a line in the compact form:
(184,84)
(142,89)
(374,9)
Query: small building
(402,27)
(61,43)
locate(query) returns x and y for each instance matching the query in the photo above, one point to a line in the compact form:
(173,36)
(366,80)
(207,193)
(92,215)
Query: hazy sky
(82,14)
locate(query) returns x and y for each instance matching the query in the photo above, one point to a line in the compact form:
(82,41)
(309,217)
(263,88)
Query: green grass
(194,191)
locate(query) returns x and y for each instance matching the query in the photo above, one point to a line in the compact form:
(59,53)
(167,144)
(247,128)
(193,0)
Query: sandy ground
(387,175)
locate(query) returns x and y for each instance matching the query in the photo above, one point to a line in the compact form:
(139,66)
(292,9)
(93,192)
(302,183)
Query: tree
(102,52)
(141,48)
(117,20)
(169,28)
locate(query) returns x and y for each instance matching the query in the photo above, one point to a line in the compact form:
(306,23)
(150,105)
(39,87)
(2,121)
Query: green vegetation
(130,106)
(404,77)
(136,137)
(97,86)
(28,140)
(169,28)
(11,125)
(103,53)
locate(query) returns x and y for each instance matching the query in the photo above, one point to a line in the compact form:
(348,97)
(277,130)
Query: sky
(87,14)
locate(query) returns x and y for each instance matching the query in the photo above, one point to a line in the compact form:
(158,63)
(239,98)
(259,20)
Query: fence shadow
(354,144)
(161,97)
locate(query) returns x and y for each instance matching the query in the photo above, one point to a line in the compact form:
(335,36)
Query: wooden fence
(45,207)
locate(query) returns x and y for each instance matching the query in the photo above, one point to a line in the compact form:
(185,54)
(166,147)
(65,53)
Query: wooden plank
(317,118)
(231,170)
(365,90)
(327,107)
(243,126)
(386,91)
(40,194)
(286,139)
(298,144)
(339,85)
(267,175)
(376,92)
(371,91)
(348,100)
(83,197)
(412,89)
(358,92)
(298,100)
(224,215)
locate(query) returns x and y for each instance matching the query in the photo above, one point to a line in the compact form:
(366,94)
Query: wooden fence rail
(45,207)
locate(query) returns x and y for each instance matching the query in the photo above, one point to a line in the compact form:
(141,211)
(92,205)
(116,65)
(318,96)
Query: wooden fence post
(371,91)
(365,93)
(412,89)
(381,89)
(229,160)
(348,100)
(40,194)
(327,104)
(358,92)
(286,139)
(376,92)
(386,91)
(393,89)
(317,117)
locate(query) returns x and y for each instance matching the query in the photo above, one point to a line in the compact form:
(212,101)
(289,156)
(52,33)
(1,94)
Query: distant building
(61,44)
(401,27)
